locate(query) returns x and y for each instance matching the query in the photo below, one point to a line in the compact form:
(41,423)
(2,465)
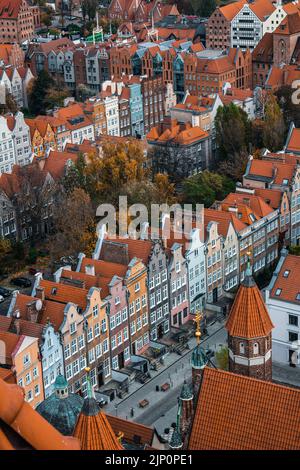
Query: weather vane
(198,318)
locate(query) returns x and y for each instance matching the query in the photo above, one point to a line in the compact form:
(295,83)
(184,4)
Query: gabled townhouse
(83,329)
(111,105)
(213,258)
(33,311)
(153,255)
(178,285)
(7,210)
(42,136)
(113,292)
(62,133)
(76,121)
(49,56)
(277,200)
(135,276)
(282,297)
(94,108)
(261,233)
(270,174)
(7,150)
(244,99)
(12,54)
(21,355)
(228,226)
(21,138)
(253,20)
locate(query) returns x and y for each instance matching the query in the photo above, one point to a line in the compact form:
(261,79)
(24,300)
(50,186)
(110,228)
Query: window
(97,329)
(27,378)
(90,334)
(137,287)
(80,341)
(117,300)
(67,351)
(95,310)
(298,296)
(72,328)
(242,348)
(286,273)
(115,362)
(293,320)
(103,325)
(113,342)
(98,350)
(278,292)
(26,360)
(177,266)
(293,336)
(124,314)
(255,348)
(74,346)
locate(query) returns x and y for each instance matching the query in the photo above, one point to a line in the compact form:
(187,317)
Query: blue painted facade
(136,110)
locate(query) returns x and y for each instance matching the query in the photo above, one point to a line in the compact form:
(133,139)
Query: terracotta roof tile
(276,171)
(64,293)
(52,311)
(140,249)
(131,430)
(249,317)
(232,9)
(288,281)
(272,197)
(94,431)
(294,142)
(105,268)
(240,413)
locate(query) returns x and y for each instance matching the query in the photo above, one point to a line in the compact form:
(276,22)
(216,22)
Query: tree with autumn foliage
(74,225)
(273,129)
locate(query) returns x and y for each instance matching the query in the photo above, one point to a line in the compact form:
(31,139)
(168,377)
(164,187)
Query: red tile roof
(131,430)
(288,281)
(276,171)
(294,142)
(223,218)
(240,413)
(254,204)
(249,317)
(51,311)
(232,9)
(272,197)
(104,268)
(56,162)
(140,249)
(94,431)
(64,293)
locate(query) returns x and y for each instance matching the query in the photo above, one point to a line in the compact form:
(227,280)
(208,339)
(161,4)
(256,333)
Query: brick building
(17,21)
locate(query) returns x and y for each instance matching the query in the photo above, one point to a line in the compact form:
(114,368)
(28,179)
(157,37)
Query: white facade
(246,29)
(274,20)
(83,133)
(22,140)
(112,115)
(7,151)
(195,256)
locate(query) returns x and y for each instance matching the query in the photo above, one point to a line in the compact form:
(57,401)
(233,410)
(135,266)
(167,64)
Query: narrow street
(162,402)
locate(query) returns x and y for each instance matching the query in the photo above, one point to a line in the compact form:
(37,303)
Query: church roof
(235,412)
(249,317)
(62,413)
(93,429)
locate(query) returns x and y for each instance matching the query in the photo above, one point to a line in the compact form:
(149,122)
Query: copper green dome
(199,358)
(61,409)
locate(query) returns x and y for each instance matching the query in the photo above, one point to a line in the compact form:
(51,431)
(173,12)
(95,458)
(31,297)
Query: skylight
(286,273)
(278,291)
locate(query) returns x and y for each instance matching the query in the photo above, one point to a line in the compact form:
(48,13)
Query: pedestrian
(132,412)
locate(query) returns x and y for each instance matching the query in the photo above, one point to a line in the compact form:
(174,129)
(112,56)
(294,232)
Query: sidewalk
(285,374)
(175,370)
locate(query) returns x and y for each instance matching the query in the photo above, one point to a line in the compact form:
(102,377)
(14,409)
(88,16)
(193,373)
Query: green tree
(204,8)
(206,187)
(222,358)
(233,130)
(294,250)
(289,109)
(273,129)
(37,97)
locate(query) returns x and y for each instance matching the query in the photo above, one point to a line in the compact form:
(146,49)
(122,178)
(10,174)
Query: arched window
(242,348)
(255,348)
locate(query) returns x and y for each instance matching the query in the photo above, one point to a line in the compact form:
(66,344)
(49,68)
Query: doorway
(100,375)
(160,330)
(180,318)
(215,295)
(121,360)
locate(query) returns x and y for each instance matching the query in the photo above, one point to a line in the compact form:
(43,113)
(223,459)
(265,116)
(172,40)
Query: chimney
(40,293)
(90,269)
(32,312)
(16,321)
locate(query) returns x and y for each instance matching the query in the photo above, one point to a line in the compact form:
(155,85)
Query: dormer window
(53,290)
(278,292)
(285,181)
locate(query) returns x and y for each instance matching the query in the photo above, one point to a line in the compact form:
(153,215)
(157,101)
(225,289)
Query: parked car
(21,282)
(1,299)
(5,292)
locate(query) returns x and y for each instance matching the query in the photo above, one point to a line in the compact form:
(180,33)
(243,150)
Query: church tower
(250,332)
